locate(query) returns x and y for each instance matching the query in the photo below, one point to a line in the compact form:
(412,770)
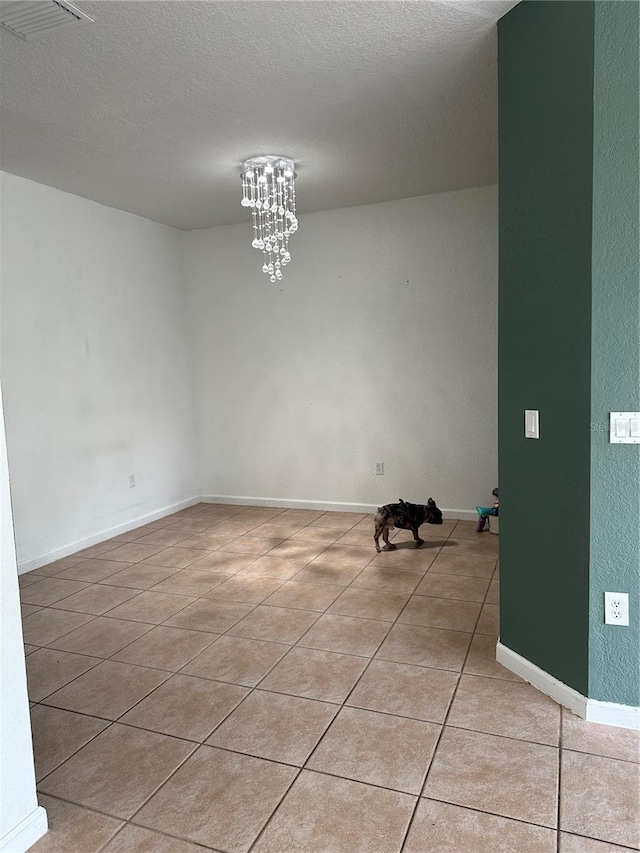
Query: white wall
(22,821)
(379,345)
(96,369)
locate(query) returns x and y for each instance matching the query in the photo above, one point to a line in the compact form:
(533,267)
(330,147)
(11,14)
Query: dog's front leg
(419,541)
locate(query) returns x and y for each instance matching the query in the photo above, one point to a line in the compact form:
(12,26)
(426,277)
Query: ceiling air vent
(31,19)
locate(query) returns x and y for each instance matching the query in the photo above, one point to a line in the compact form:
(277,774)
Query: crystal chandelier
(268,188)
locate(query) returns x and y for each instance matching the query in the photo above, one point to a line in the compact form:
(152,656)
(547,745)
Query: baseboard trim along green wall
(592,710)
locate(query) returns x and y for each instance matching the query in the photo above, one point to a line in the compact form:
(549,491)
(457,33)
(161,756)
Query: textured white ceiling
(152,108)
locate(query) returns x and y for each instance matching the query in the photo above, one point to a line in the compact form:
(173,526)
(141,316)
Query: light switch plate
(531,423)
(624,427)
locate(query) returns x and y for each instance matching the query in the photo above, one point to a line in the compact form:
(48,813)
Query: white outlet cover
(624,427)
(616,608)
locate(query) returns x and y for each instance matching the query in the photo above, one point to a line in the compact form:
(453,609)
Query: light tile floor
(246,678)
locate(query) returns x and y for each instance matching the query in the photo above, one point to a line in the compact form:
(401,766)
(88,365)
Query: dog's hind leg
(419,541)
(385,536)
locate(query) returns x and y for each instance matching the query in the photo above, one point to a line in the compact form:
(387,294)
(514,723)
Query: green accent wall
(614,652)
(545,84)
(569,338)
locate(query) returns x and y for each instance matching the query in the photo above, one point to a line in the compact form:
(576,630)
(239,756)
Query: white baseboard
(593,710)
(26,833)
(325,506)
(65,550)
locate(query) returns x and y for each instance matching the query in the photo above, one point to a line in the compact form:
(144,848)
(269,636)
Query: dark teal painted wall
(614,652)
(545,81)
(569,337)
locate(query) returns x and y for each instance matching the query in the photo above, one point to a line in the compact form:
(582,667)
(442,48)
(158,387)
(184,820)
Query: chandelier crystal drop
(269,190)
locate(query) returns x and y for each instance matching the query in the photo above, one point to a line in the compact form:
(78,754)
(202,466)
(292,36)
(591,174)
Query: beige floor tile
(441,613)
(190,525)
(96,550)
(54,568)
(139,576)
(359,536)
(507,777)
(408,691)
(469,566)
(608,741)
(48,670)
(337,525)
(579,844)
(107,690)
(250,588)
(331,573)
(431,647)
(274,624)
(274,567)
(317,534)
(313,674)
(386,579)
(303,516)
(505,708)
(96,599)
(453,586)
(249,544)
(489,621)
(164,537)
(236,660)
(176,558)
(277,727)
(370,604)
(165,648)
(92,571)
(223,563)
(305,596)
(325,814)
(346,634)
(206,541)
(49,590)
(443,828)
(186,707)
(190,582)
(294,549)
(28,578)
(47,625)
(600,797)
(379,749)
(102,637)
(118,771)
(277,530)
(133,553)
(482,546)
(29,650)
(152,607)
(135,839)
(467,530)
(28,609)
(209,614)
(349,555)
(73,829)
(233,527)
(218,798)
(493,595)
(482,659)
(58,734)
(407,557)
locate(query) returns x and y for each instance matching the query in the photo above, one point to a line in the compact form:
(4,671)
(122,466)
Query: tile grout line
(442,730)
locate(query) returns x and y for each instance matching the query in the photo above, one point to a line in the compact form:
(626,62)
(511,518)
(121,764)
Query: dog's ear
(431,502)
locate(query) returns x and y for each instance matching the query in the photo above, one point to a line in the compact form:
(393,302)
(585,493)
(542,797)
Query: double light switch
(624,427)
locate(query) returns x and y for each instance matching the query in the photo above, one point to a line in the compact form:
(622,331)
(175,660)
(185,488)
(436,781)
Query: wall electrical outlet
(132,481)
(380,468)
(616,608)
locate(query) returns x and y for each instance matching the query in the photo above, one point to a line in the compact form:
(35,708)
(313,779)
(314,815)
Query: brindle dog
(406,516)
